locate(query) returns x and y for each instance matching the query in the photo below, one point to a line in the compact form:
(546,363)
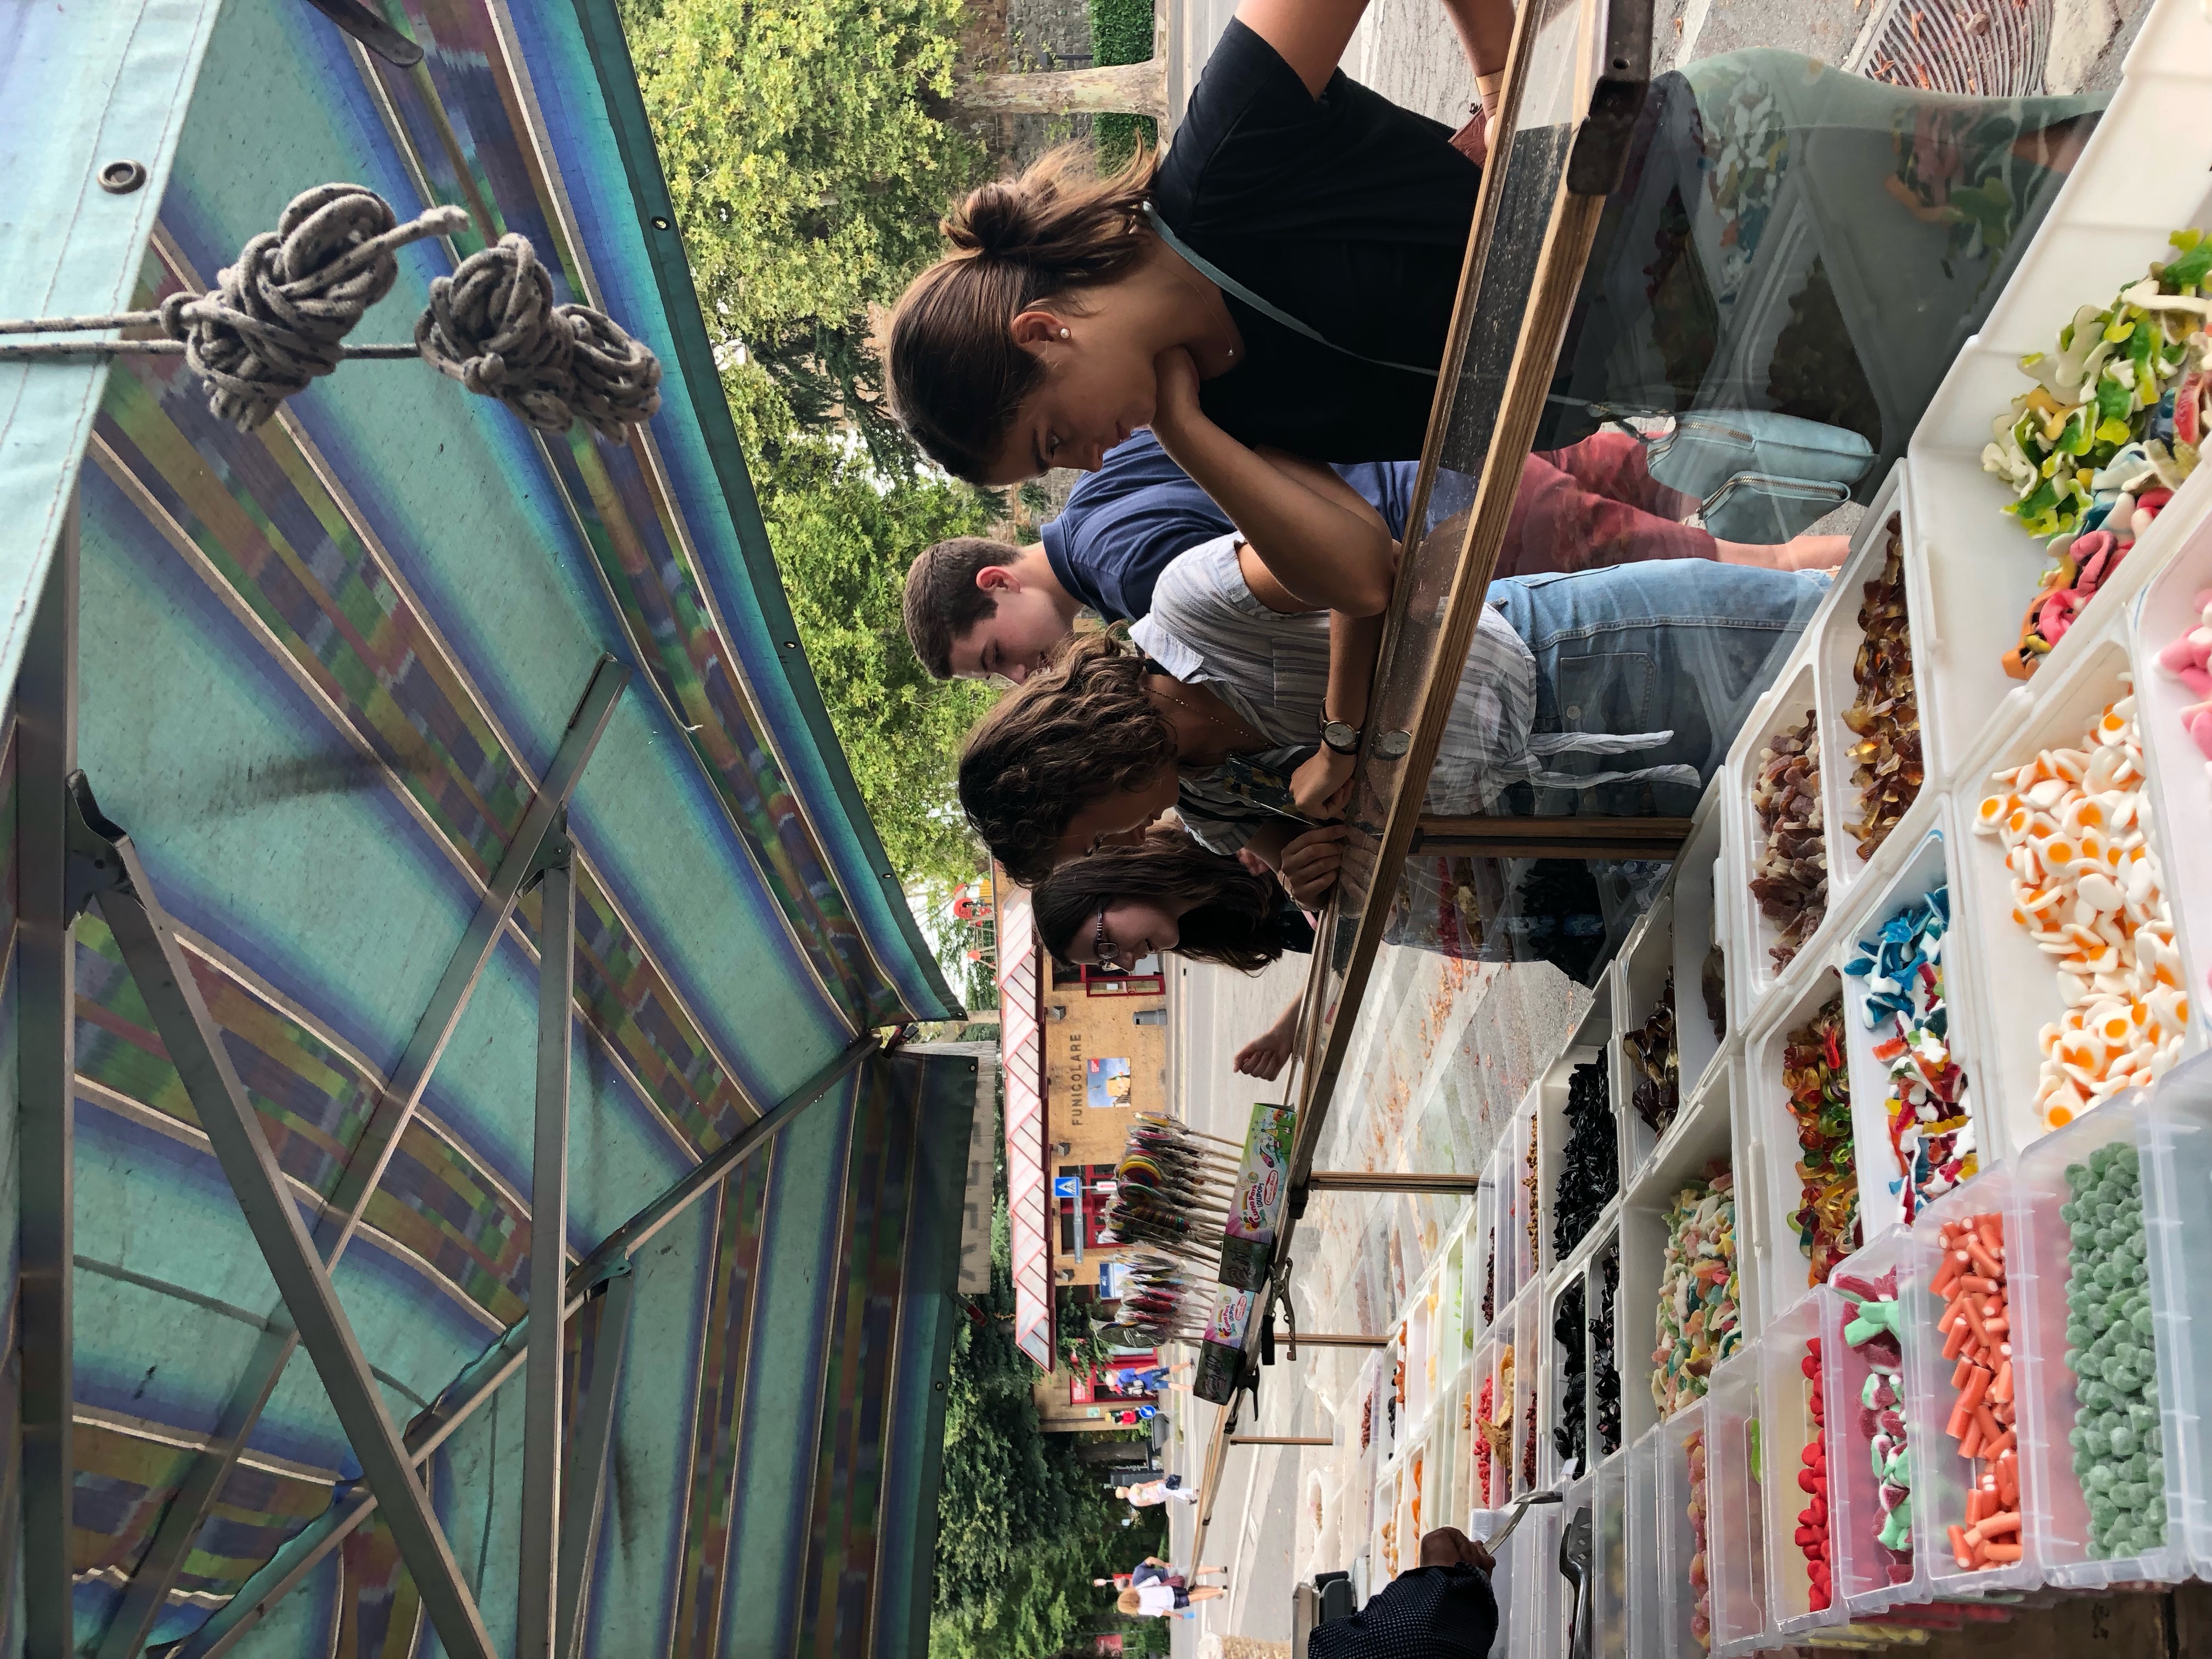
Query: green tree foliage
(808,162)
(1023,1526)
(1121,33)
(844,537)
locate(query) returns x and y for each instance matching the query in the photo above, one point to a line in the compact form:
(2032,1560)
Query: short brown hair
(957,378)
(1081,730)
(942,601)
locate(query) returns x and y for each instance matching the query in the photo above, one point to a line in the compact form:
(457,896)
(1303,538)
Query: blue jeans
(1683,647)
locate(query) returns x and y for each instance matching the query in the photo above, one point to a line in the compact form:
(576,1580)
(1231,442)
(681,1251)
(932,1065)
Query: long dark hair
(957,378)
(1231,923)
(1081,731)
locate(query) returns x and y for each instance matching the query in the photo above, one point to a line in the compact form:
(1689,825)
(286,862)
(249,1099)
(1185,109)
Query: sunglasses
(1108,952)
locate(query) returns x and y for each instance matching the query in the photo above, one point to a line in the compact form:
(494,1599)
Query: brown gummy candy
(1790,879)
(1885,719)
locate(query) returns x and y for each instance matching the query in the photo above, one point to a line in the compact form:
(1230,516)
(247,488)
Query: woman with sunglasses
(1166,895)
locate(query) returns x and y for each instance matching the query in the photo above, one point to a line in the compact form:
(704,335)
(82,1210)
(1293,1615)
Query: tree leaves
(808,170)
(805,161)
(1023,1525)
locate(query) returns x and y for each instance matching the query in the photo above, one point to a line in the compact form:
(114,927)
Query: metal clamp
(95,863)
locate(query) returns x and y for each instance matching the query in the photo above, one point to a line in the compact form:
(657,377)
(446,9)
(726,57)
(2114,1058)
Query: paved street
(1446,1050)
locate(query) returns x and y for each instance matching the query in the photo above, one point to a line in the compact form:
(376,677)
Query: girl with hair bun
(1280,281)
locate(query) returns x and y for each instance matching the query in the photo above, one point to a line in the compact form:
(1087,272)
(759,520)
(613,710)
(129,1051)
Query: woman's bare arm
(1327,549)
(1320,787)
(1310,35)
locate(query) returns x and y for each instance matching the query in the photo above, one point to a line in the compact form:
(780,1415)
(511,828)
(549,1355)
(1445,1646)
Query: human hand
(1174,373)
(1322,786)
(1265,1055)
(1448,1546)
(1310,862)
(1803,553)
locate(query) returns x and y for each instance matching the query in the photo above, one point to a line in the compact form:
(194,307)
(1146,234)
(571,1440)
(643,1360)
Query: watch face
(1344,739)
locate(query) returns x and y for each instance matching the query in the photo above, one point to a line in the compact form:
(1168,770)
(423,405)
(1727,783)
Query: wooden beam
(1385,1181)
(1554,838)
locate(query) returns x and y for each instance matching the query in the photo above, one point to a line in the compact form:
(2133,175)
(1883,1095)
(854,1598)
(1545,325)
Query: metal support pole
(548,1254)
(1310,1339)
(611,1258)
(45,1072)
(1382,1180)
(147,939)
(1282,1440)
(584,1501)
(147,1592)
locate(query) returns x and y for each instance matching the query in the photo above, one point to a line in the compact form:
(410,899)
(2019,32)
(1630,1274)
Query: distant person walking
(1160,1600)
(1150,1379)
(1145,1494)
(1153,1570)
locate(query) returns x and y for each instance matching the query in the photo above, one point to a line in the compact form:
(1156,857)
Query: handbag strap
(1228,284)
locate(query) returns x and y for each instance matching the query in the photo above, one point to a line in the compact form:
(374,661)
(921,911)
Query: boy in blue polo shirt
(976,608)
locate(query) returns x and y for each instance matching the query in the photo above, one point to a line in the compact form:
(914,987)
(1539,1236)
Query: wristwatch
(1340,738)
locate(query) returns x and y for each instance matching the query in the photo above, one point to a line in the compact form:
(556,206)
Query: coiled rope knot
(278,318)
(493,326)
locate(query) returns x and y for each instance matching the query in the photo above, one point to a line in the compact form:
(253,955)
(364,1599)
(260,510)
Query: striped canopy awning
(331,678)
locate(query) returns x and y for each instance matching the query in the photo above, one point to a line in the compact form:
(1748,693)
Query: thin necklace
(1201,713)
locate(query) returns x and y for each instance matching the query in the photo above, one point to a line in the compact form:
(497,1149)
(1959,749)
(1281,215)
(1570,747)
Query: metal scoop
(1519,1507)
(1575,1567)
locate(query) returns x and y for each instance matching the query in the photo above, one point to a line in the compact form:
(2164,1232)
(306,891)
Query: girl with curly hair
(1213,705)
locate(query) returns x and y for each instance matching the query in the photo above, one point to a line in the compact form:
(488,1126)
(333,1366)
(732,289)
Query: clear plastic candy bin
(2170,1130)
(1683,1577)
(1861,1567)
(1735,1505)
(1786,1412)
(1941,1479)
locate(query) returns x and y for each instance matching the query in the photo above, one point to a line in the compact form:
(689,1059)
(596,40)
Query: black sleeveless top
(1348,212)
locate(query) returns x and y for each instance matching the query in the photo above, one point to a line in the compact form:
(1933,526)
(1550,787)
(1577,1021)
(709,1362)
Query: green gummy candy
(2122,1441)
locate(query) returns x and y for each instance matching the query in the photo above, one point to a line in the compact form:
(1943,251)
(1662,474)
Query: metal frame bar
(156,1575)
(46,1071)
(1552,838)
(549,1256)
(1382,1180)
(609,1261)
(584,1498)
(312,1545)
(148,941)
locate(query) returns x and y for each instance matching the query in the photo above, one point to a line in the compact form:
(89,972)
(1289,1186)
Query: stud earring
(1063,334)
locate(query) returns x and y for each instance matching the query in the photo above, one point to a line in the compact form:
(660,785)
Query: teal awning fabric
(323,668)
